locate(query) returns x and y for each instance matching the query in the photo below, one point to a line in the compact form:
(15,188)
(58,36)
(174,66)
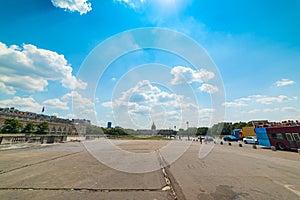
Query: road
(72,171)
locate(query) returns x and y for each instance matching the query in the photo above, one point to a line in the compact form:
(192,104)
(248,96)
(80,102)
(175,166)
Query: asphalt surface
(71,171)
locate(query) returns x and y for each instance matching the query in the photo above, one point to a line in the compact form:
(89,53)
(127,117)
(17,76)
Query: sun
(168,2)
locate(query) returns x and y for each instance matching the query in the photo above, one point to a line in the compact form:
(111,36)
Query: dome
(153,127)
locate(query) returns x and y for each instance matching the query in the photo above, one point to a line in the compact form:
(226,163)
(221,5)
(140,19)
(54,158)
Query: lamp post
(187,129)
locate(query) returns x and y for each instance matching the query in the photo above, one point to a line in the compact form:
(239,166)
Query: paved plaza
(71,171)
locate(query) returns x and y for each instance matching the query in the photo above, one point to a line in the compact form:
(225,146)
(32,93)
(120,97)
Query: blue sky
(47,48)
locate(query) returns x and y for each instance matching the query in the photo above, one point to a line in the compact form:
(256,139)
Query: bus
(281,137)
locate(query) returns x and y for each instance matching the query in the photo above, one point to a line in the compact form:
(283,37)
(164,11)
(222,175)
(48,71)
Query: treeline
(227,128)
(217,129)
(15,126)
(118,131)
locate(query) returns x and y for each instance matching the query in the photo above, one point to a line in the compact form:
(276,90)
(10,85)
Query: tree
(250,123)
(11,126)
(181,132)
(239,125)
(222,128)
(42,128)
(29,128)
(227,129)
(115,131)
(202,131)
(94,130)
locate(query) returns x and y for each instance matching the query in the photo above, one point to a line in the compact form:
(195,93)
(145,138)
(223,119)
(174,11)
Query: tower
(109,125)
(153,127)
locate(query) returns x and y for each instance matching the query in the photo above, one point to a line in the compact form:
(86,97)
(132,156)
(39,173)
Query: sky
(178,63)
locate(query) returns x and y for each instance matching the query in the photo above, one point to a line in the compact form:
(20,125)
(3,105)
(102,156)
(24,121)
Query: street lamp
(187,129)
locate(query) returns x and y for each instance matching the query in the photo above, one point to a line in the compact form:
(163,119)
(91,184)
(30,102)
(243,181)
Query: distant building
(153,127)
(109,124)
(166,132)
(154,131)
(56,125)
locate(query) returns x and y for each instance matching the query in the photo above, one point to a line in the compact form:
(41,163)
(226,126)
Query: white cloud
(289,109)
(134,4)
(30,68)
(56,104)
(262,99)
(269,110)
(241,102)
(253,111)
(210,89)
(269,100)
(284,82)
(235,104)
(145,93)
(83,107)
(140,105)
(7,89)
(107,104)
(25,104)
(244,99)
(79,101)
(187,75)
(206,111)
(81,6)
(88,112)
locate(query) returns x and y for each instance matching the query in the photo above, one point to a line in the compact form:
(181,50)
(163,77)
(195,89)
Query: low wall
(14,139)
(32,139)
(75,138)
(94,137)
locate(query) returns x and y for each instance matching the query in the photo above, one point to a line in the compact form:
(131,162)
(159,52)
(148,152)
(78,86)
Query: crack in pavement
(171,184)
(40,162)
(87,189)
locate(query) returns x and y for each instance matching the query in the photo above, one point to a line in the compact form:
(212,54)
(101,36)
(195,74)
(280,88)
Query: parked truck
(247,131)
(236,133)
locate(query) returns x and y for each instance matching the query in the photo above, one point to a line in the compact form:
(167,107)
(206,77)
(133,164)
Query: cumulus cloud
(284,82)
(6,89)
(81,102)
(210,89)
(29,68)
(82,107)
(56,104)
(27,104)
(81,6)
(145,92)
(145,102)
(183,74)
